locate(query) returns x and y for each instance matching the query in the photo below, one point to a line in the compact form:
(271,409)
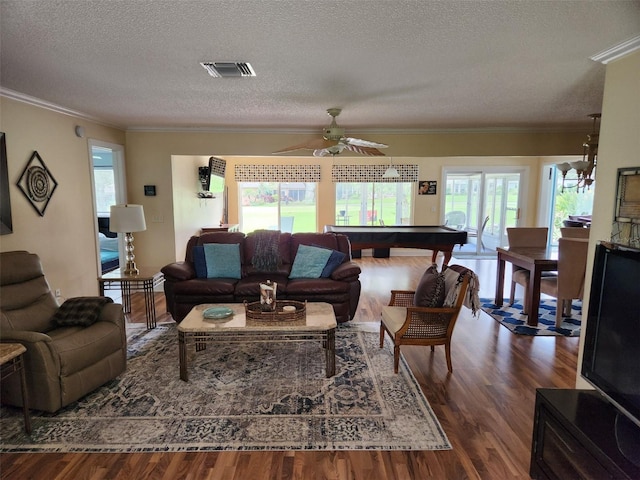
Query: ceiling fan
(333,142)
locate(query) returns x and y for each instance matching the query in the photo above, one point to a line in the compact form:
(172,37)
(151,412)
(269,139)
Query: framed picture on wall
(427,187)
(37,183)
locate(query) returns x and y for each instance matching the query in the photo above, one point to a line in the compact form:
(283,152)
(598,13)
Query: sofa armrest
(40,356)
(23,336)
(112,312)
(179,271)
(348,271)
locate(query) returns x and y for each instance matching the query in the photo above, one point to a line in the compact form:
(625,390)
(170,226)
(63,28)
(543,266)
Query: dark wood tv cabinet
(574,437)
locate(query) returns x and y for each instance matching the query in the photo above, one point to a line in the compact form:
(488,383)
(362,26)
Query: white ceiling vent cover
(228,69)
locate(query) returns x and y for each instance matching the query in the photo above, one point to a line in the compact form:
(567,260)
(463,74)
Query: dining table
(534,259)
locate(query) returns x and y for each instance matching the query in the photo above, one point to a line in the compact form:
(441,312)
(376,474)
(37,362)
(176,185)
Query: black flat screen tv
(611,355)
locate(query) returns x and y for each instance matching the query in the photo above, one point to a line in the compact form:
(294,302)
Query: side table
(146,280)
(11,362)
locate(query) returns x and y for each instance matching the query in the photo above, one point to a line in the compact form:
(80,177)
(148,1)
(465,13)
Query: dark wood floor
(485,407)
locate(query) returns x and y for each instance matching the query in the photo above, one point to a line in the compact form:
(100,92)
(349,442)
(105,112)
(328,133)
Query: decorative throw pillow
(223,260)
(81,311)
(199,261)
(334,261)
(309,262)
(430,291)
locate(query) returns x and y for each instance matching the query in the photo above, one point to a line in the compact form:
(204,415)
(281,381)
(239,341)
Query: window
(285,206)
(373,203)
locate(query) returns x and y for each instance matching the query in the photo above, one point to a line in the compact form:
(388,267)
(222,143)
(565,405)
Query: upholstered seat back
(26,301)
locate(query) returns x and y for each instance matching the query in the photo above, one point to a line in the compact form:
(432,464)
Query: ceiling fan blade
(315,144)
(363,143)
(365,150)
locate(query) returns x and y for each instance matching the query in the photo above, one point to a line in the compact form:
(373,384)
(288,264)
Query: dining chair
(524,237)
(473,232)
(455,219)
(574,232)
(569,283)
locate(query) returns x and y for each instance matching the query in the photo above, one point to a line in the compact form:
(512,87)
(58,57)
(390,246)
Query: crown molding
(37,102)
(617,51)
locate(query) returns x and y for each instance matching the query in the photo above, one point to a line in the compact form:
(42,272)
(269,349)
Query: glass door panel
(384,203)
(483,204)
(287,206)
(259,206)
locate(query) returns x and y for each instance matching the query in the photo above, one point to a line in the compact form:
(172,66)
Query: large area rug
(511,317)
(267,396)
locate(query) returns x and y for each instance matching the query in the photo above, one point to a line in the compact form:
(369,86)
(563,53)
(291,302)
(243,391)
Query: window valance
(372,173)
(277,173)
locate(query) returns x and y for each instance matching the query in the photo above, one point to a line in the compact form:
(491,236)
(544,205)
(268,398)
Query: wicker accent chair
(407,324)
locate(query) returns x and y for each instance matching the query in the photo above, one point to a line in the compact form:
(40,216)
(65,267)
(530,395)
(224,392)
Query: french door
(109,188)
(373,203)
(483,203)
(286,206)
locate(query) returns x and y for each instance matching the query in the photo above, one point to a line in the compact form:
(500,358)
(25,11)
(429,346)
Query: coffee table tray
(256,311)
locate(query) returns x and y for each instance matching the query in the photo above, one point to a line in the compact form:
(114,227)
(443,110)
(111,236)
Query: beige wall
(619,147)
(65,237)
(149,161)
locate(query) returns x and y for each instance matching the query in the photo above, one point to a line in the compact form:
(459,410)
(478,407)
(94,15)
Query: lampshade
(127,218)
(391,173)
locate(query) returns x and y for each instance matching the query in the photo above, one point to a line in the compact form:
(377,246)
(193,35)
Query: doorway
(484,203)
(108,182)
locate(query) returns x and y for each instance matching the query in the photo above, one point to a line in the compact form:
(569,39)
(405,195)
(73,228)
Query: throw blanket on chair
(453,275)
(266,258)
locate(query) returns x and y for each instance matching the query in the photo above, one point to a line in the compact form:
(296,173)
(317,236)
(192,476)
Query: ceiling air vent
(228,69)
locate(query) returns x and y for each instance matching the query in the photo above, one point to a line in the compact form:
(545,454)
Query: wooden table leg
(500,281)
(25,395)
(534,296)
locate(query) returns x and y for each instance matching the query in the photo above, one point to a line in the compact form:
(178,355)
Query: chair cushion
(430,291)
(394,318)
(80,311)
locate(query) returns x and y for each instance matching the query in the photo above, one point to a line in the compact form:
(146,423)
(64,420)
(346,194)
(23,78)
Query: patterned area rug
(266,396)
(511,317)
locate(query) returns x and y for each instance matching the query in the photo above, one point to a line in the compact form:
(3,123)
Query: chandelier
(585,168)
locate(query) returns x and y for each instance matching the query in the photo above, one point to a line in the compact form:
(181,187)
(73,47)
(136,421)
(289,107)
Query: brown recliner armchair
(65,359)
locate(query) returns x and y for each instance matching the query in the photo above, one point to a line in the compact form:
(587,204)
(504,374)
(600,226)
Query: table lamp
(128,219)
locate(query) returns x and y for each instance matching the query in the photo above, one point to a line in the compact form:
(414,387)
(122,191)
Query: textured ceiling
(390,64)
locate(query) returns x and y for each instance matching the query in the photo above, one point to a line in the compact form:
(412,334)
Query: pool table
(431,237)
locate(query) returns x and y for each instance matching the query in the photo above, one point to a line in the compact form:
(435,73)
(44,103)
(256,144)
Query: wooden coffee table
(319,325)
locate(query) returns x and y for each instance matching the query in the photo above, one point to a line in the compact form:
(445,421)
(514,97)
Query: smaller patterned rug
(511,317)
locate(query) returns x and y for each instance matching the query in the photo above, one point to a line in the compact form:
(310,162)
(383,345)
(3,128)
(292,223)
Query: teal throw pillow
(309,262)
(223,260)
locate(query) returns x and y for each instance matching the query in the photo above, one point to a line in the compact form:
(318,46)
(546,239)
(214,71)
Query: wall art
(37,183)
